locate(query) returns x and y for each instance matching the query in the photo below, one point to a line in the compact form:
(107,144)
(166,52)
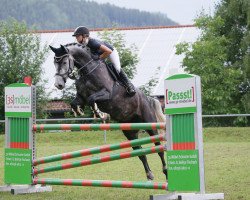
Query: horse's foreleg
(161,154)
(131,135)
(143,158)
(77,105)
(164,166)
(102,95)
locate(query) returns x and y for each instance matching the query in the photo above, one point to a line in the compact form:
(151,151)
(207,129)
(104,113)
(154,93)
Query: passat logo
(180,97)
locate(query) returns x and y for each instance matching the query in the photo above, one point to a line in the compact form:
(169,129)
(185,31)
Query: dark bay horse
(95,85)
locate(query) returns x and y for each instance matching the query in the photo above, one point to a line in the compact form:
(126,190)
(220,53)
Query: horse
(96,85)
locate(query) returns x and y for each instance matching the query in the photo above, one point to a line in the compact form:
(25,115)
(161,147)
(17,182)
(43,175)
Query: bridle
(57,59)
(70,72)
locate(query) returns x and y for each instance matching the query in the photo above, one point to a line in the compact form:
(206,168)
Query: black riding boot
(126,82)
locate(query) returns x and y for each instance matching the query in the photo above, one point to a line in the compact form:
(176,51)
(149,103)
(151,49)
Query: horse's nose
(59,86)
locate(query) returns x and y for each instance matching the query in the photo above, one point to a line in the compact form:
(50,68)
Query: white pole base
(25,189)
(187,196)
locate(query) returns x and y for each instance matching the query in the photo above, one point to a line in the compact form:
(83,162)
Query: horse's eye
(64,63)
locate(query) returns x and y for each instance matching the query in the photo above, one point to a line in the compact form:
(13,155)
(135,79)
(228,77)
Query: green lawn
(227,161)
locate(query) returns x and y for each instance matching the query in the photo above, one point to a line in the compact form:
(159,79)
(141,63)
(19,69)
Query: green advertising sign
(18,100)
(183,170)
(18,166)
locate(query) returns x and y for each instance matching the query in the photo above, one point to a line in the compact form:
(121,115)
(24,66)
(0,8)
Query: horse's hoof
(106,117)
(150,176)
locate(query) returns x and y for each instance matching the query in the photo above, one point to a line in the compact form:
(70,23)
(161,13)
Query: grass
(227,161)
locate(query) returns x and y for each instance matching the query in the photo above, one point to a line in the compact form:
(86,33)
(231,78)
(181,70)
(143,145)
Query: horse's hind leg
(161,154)
(131,135)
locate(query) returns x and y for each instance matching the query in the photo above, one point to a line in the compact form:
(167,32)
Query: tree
(148,87)
(221,57)
(58,14)
(128,55)
(21,55)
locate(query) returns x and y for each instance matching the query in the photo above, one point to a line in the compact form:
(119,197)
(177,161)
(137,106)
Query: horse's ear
(53,49)
(64,49)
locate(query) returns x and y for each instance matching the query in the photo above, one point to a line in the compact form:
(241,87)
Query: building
(56,108)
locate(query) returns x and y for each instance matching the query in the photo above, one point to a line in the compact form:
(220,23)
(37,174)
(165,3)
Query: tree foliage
(129,58)
(221,57)
(58,14)
(148,87)
(128,54)
(21,55)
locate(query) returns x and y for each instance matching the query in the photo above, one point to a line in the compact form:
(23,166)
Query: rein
(81,67)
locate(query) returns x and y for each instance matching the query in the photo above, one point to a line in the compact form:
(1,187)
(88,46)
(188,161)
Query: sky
(180,11)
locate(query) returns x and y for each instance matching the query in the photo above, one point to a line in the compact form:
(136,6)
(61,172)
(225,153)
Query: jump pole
(96,150)
(102,183)
(101,159)
(95,127)
(185,160)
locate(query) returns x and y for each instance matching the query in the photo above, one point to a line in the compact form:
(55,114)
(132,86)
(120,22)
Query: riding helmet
(81,30)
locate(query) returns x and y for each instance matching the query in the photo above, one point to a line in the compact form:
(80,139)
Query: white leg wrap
(97,112)
(75,114)
(79,110)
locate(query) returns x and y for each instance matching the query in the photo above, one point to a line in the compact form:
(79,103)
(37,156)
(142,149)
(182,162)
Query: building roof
(57,105)
(156,50)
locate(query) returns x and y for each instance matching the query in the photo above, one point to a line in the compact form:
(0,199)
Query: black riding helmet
(81,30)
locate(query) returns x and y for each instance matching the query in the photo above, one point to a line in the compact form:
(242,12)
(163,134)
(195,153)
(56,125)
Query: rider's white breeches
(115,59)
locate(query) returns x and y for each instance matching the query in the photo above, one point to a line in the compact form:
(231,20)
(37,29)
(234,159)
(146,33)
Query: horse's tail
(160,117)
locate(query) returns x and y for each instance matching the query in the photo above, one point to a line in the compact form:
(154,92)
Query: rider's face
(81,39)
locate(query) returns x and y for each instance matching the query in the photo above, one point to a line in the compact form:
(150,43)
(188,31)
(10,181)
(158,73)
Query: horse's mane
(75,44)
(80,46)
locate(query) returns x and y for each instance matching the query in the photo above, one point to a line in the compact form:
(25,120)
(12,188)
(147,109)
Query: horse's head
(64,63)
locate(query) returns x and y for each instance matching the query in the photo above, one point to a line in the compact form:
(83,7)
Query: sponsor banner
(18,100)
(18,166)
(183,170)
(180,95)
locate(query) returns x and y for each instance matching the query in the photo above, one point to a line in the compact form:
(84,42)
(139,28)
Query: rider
(102,50)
